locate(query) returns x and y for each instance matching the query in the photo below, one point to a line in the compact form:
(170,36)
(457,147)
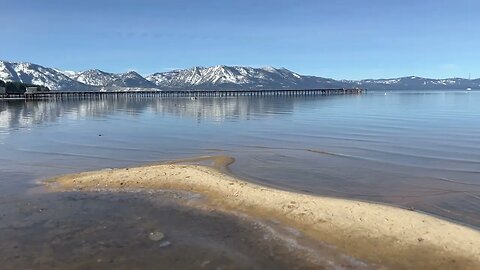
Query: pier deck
(58,95)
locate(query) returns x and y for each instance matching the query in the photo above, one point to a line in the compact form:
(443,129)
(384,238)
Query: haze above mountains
(210,78)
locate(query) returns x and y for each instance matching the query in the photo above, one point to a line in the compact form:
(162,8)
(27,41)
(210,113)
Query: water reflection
(20,114)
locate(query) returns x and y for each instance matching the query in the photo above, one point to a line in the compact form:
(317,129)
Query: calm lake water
(413,149)
(419,149)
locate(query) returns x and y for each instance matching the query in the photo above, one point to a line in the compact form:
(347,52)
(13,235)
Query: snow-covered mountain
(97,77)
(133,79)
(92,77)
(237,77)
(414,82)
(216,77)
(36,74)
(227,77)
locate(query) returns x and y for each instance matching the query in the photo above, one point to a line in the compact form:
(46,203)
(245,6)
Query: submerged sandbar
(381,234)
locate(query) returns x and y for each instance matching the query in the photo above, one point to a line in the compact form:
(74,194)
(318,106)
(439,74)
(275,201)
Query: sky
(342,39)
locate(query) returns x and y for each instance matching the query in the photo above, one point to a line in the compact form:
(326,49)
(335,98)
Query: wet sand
(378,234)
(101,230)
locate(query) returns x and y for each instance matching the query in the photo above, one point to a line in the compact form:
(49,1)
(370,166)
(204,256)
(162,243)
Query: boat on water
(469,89)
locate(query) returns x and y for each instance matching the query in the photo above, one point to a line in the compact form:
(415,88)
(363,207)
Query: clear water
(408,148)
(412,149)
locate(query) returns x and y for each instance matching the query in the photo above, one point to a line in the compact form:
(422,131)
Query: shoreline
(381,234)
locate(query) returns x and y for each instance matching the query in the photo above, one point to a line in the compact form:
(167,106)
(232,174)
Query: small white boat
(193,98)
(469,89)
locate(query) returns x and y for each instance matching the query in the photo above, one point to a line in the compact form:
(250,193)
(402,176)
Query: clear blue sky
(349,39)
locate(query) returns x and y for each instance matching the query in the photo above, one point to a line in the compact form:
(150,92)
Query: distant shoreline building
(32,90)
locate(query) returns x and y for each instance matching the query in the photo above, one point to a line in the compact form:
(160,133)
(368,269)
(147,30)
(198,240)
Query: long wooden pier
(59,95)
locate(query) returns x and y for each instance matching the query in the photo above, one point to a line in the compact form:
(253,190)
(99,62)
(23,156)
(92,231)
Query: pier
(60,95)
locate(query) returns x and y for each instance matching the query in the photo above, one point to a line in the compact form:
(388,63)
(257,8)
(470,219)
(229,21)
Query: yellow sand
(380,234)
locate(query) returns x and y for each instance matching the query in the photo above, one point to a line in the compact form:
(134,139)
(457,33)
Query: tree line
(20,88)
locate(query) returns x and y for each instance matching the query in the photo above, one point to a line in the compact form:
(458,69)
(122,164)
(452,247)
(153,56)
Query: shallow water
(410,148)
(101,231)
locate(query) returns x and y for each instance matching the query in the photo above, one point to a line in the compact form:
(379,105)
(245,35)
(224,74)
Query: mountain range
(210,78)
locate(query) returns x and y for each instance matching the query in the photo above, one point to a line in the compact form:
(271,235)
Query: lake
(414,149)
